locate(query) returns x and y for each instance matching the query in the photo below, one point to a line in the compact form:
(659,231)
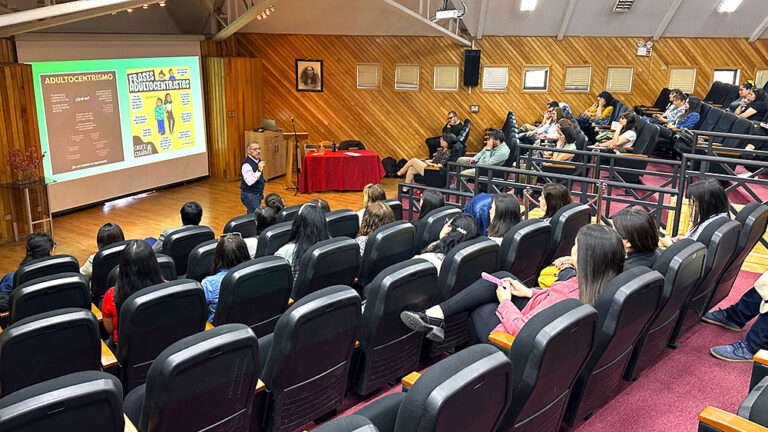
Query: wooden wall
(395,122)
(7,51)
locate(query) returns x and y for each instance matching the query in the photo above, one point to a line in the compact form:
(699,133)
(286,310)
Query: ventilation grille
(623,6)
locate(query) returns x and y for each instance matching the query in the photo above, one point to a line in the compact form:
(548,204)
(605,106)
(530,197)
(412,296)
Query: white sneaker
(745,175)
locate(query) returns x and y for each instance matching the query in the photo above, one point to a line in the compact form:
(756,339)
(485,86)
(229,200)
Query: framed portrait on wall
(309,75)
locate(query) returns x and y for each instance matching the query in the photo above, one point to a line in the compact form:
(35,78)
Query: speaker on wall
(471,68)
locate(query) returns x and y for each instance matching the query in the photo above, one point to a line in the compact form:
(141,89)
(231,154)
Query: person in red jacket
(598,256)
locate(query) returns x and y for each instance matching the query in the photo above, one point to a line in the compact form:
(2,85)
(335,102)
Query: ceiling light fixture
(162,4)
(728,6)
(527,5)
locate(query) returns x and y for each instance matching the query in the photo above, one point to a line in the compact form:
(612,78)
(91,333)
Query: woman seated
(600,112)
(275,202)
(547,130)
(566,140)
(676,107)
(456,230)
(371,194)
(323,204)
(39,245)
(743,92)
(504,214)
(625,134)
(640,237)
(554,196)
(753,106)
(376,216)
(264,217)
(430,200)
(707,202)
(138,270)
(108,233)
(309,228)
(599,257)
(443,153)
(230,251)
(688,119)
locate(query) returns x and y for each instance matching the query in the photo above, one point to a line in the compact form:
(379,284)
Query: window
(495,78)
(535,78)
(728,76)
(619,79)
(446,78)
(578,78)
(682,78)
(406,77)
(368,76)
(761,78)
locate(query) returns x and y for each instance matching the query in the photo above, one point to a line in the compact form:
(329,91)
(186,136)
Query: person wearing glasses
(230,251)
(252,183)
(452,126)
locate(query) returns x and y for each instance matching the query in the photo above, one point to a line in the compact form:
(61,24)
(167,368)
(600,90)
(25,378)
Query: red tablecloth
(339,171)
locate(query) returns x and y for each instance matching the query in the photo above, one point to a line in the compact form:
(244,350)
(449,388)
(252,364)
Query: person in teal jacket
(160,116)
(495,152)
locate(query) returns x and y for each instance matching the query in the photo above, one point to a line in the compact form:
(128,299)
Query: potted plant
(24,164)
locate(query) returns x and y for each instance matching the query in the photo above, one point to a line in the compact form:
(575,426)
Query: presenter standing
(252,183)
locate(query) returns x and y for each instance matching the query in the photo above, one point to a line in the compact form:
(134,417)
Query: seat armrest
(634,155)
(432,168)
(759,368)
(761,356)
(97,312)
(208,325)
(502,339)
(129,427)
(717,105)
(260,387)
(720,152)
(629,149)
(727,422)
(410,379)
(557,165)
(108,359)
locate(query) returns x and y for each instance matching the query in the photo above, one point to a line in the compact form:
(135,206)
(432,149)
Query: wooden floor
(148,214)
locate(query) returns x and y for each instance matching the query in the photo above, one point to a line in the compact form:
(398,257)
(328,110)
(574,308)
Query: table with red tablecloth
(339,171)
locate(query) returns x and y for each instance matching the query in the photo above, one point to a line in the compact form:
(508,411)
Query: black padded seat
(288,214)
(433,224)
(45,266)
(179,243)
(566,223)
(200,260)
(48,293)
(330,262)
(48,345)
(255,293)
(387,245)
(523,248)
(167,269)
(244,224)
(343,223)
(397,208)
(104,261)
(349,423)
(273,238)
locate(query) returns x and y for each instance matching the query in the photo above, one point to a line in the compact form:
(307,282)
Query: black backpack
(390,166)
(400,164)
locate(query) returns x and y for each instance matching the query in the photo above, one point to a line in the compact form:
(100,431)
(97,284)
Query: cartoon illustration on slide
(169,112)
(160,116)
(171,75)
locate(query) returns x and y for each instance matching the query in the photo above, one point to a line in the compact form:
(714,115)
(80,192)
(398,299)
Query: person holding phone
(598,255)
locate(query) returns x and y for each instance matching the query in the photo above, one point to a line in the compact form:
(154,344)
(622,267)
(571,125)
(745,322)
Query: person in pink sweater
(598,256)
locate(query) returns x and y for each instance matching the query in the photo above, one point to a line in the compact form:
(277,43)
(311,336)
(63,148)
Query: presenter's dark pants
(479,299)
(251,201)
(743,311)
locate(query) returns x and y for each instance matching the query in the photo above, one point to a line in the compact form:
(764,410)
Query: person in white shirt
(707,202)
(505,213)
(546,130)
(625,135)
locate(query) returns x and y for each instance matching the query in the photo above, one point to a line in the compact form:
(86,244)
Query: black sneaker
(420,322)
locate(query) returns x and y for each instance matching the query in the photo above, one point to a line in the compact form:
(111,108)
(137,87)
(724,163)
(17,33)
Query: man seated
(453,126)
(191,214)
(495,152)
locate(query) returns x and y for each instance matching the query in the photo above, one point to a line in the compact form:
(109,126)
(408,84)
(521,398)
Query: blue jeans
(743,311)
(251,201)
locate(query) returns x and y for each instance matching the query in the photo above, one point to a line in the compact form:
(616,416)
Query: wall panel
(395,122)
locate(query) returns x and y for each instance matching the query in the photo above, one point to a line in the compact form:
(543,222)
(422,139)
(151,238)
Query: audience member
(688,119)
(191,214)
(138,269)
(275,202)
(376,216)
(264,217)
(599,257)
(495,152)
(309,228)
(458,229)
(566,140)
(442,155)
(743,92)
(547,130)
(554,197)
(640,237)
(108,233)
(504,214)
(252,181)
(231,250)
(371,194)
(707,201)
(753,106)
(39,245)
(600,112)
(676,107)
(430,200)
(479,208)
(323,204)
(452,127)
(625,134)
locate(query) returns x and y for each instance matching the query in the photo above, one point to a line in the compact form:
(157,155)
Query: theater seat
(245,225)
(523,249)
(681,265)
(288,214)
(397,208)
(387,245)
(753,218)
(625,308)
(343,223)
(48,345)
(306,361)
(388,349)
(81,401)
(273,238)
(200,260)
(103,262)
(566,223)
(46,266)
(167,269)
(434,224)
(468,391)
(547,355)
(203,382)
(350,423)
(255,293)
(48,293)
(152,319)
(179,243)
(720,238)
(331,262)
(752,415)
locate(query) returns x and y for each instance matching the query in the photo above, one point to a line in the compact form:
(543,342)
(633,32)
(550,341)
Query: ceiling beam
(63,13)
(397,6)
(481,19)
(243,20)
(566,18)
(759,30)
(673,7)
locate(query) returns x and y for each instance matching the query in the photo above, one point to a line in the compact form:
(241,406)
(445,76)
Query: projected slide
(98,116)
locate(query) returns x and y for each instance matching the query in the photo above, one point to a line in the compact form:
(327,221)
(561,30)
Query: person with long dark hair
(600,112)
(376,216)
(38,245)
(753,106)
(275,202)
(707,201)
(264,217)
(566,140)
(230,251)
(554,197)
(504,214)
(599,257)
(108,233)
(138,269)
(458,229)
(323,204)
(688,119)
(639,235)
(442,155)
(309,228)
(625,134)
(743,92)
(430,200)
